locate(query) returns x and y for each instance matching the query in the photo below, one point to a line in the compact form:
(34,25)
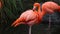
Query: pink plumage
(28,17)
(50,6)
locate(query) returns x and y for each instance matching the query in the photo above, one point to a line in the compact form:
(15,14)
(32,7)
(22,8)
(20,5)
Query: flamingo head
(35,5)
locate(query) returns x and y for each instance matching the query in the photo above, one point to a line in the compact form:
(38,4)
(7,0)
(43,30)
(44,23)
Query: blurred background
(12,9)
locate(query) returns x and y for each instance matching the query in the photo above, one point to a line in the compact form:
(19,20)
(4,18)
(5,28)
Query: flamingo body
(29,17)
(50,6)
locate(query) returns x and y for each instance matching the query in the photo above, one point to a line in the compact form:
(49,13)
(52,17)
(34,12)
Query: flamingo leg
(49,26)
(30,29)
(49,21)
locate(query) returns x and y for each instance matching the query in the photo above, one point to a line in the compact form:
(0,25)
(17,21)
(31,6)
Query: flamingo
(50,7)
(30,17)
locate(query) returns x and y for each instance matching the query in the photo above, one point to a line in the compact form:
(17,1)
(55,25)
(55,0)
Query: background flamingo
(50,7)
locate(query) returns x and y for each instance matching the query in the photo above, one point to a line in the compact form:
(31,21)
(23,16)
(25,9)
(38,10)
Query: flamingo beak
(34,7)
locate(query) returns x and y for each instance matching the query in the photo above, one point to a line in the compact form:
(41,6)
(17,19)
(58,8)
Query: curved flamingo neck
(41,13)
(39,10)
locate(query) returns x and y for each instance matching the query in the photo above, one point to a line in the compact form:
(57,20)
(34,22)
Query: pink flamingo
(50,7)
(30,17)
